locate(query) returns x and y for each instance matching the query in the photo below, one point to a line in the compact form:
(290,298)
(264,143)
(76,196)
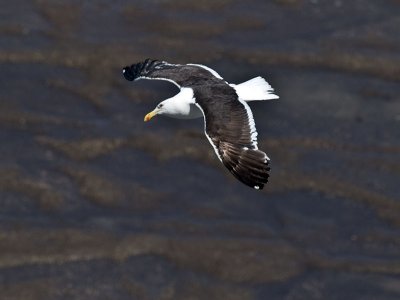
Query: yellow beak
(150,115)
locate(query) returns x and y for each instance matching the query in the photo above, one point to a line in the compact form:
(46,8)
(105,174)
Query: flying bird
(228,121)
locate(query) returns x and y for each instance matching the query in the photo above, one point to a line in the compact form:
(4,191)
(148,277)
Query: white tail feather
(255,89)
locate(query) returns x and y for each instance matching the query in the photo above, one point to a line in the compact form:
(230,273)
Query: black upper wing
(181,75)
(230,127)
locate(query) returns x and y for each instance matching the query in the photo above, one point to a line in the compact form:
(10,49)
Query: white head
(166,107)
(175,107)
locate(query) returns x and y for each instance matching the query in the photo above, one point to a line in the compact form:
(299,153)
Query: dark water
(96,204)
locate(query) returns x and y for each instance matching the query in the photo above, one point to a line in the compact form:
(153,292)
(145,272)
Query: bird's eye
(160,105)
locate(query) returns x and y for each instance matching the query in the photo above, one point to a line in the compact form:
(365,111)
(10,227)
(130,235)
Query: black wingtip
(137,70)
(250,166)
(259,186)
(128,74)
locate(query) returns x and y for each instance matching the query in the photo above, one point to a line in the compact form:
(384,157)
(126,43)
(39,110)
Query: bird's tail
(254,90)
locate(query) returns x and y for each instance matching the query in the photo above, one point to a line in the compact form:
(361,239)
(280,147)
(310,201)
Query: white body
(182,105)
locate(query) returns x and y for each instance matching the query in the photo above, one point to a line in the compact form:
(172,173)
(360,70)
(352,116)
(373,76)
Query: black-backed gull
(228,121)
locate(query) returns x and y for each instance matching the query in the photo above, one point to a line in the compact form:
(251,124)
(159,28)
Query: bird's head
(170,108)
(160,109)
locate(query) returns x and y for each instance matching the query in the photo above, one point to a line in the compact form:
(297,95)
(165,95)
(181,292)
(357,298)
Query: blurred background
(96,204)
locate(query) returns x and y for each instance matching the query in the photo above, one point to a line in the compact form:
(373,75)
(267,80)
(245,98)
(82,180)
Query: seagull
(228,120)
